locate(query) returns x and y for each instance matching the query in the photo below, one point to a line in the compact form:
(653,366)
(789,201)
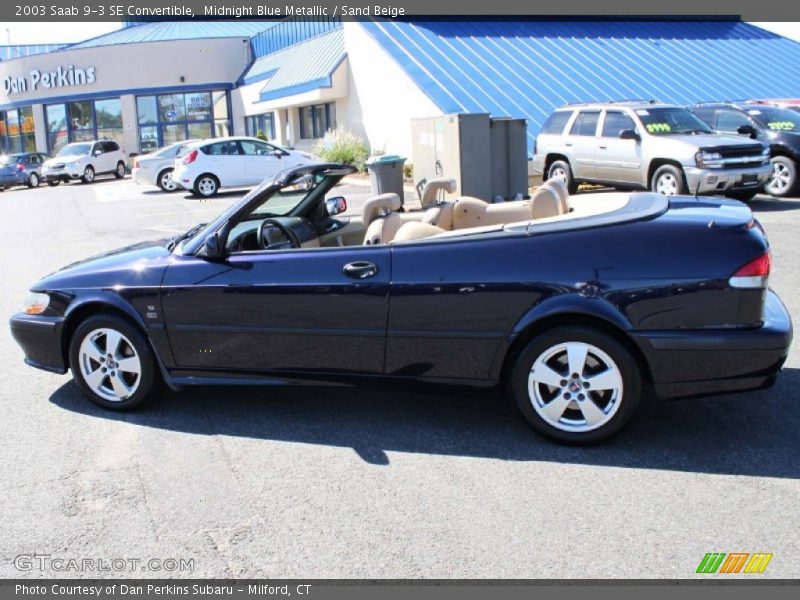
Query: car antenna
(697,190)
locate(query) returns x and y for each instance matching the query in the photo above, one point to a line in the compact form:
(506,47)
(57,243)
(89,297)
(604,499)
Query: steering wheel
(267,239)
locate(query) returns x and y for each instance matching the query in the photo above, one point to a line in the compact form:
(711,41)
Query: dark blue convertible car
(579,306)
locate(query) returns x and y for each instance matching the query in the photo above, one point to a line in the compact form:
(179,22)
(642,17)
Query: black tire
(676,177)
(119,172)
(150,383)
(742,196)
(562,166)
(88,174)
(788,169)
(33,180)
(202,186)
(162,182)
(53,182)
(619,406)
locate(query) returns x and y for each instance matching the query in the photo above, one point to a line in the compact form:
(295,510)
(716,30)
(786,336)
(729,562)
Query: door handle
(602,147)
(360,269)
(568,145)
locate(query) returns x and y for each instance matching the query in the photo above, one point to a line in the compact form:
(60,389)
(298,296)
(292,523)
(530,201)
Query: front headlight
(708,160)
(35,303)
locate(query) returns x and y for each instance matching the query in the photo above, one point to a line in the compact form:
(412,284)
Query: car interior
(382,219)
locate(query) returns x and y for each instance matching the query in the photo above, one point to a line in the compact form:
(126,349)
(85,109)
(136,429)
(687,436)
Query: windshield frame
(702,127)
(330,173)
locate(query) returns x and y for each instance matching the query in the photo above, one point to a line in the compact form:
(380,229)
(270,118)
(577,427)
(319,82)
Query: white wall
(383,99)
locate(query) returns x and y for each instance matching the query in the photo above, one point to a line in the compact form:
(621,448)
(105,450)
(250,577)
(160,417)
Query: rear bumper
(701,362)
(723,180)
(8,180)
(40,340)
(142,176)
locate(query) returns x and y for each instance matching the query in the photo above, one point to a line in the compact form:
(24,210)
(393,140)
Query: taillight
(20,167)
(136,163)
(190,158)
(754,274)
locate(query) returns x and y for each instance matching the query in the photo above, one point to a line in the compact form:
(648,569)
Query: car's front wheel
(33,180)
(113,364)
(561,169)
(119,172)
(576,385)
(165,181)
(668,180)
(783,181)
(88,174)
(206,186)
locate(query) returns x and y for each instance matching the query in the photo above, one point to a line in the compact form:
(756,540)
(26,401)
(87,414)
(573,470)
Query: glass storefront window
(83,121)
(222,128)
(80,115)
(199,131)
(108,113)
(171,134)
(146,110)
(198,106)
(17,130)
(148,139)
(220,105)
(171,108)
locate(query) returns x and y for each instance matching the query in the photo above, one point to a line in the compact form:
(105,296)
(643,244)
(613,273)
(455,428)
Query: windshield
(671,121)
(75,150)
(776,119)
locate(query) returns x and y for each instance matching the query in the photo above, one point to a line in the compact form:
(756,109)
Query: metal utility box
(487,157)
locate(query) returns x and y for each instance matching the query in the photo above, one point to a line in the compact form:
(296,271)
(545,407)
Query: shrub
(408,171)
(262,136)
(343,146)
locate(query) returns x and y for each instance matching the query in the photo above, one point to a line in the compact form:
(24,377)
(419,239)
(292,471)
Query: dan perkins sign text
(36,79)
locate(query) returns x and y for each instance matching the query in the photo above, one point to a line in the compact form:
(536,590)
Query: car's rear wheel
(783,181)
(165,181)
(119,172)
(206,186)
(88,174)
(113,364)
(668,180)
(33,180)
(576,384)
(53,182)
(560,169)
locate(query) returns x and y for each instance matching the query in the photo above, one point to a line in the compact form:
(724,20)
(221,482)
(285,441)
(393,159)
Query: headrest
(545,203)
(379,206)
(560,186)
(431,190)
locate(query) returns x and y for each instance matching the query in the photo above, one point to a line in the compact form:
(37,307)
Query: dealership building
(151,84)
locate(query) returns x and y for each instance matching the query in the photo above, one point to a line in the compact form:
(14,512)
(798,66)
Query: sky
(46,32)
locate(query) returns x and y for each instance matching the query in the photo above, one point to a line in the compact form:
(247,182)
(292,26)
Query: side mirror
(747,130)
(213,246)
(629,134)
(335,206)
(97,152)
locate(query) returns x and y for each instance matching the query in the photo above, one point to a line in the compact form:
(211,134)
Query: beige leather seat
(381,219)
(563,193)
(466,212)
(545,203)
(413,230)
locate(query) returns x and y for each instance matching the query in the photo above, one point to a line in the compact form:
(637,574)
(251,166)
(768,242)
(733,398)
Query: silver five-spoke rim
(88,174)
(667,184)
(120,169)
(109,364)
(206,186)
(34,179)
(559,173)
(780,180)
(575,386)
(166,181)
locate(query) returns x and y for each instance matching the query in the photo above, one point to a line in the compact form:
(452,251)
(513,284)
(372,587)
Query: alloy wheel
(166,182)
(88,174)
(120,170)
(667,184)
(780,180)
(109,364)
(575,387)
(33,180)
(207,186)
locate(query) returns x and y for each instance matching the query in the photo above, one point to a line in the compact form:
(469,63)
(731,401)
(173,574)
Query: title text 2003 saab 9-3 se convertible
(579,305)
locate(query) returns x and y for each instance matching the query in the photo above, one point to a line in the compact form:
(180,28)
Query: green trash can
(386,174)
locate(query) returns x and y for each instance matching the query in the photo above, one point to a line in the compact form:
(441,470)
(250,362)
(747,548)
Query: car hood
(131,266)
(60,160)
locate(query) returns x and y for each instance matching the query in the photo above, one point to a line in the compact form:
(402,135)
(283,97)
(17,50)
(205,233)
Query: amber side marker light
(35,303)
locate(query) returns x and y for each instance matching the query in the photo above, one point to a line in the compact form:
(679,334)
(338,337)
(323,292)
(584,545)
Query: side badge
(151,312)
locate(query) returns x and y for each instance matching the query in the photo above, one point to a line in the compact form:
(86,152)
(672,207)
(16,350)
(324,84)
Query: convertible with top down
(579,306)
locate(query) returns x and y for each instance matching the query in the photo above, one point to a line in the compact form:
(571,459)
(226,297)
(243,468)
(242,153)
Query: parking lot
(361,482)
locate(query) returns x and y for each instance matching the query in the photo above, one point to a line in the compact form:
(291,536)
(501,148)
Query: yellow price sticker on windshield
(781,125)
(658,127)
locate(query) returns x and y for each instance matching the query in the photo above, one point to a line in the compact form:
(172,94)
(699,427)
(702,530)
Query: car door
(225,160)
(581,141)
(280,311)
(261,161)
(618,160)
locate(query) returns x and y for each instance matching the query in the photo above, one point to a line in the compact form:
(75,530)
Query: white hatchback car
(84,161)
(156,168)
(233,162)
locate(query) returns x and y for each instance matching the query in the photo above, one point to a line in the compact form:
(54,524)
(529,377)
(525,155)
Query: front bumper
(40,340)
(714,361)
(706,181)
(62,174)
